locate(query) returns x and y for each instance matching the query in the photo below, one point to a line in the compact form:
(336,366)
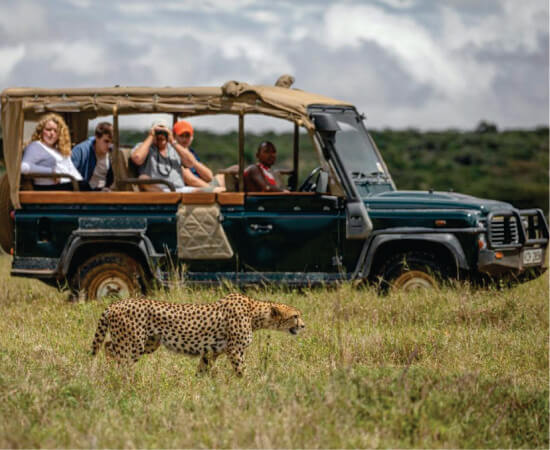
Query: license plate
(532,256)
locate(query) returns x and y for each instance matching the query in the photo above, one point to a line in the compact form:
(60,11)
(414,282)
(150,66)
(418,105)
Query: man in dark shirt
(258,177)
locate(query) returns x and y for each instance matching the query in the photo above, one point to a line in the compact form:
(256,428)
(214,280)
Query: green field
(456,368)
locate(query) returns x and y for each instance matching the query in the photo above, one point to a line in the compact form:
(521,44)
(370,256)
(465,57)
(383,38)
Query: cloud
(509,27)
(10,56)
(21,21)
(80,57)
(412,45)
(406,63)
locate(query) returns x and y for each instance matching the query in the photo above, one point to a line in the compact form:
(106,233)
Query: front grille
(534,226)
(504,230)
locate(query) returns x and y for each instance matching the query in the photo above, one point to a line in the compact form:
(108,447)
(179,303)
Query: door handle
(261,227)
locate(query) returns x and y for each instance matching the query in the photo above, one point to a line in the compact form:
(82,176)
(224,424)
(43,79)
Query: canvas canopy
(82,104)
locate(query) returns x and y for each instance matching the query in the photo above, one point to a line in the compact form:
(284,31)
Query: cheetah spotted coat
(140,326)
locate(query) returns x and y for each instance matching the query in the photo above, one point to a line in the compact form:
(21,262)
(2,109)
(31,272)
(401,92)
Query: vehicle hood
(432,200)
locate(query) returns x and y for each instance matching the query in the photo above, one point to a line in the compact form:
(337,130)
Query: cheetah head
(286,318)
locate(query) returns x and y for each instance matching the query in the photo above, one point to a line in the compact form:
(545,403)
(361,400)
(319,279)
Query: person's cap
(160,123)
(183,127)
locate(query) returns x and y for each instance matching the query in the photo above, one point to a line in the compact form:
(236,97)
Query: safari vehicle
(345,221)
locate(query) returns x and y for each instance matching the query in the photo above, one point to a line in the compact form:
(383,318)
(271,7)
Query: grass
(458,368)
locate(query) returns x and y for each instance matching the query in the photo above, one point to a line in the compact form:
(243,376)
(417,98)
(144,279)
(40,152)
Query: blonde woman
(50,152)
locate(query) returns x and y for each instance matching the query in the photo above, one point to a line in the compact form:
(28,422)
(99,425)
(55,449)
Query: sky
(425,64)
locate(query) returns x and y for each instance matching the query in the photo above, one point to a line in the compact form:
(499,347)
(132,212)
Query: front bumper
(510,262)
(517,243)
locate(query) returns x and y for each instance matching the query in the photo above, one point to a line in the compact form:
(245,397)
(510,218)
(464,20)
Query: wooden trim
(231,198)
(198,198)
(100,198)
(286,194)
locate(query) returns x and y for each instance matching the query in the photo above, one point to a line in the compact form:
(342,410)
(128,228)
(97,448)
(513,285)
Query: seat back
(123,168)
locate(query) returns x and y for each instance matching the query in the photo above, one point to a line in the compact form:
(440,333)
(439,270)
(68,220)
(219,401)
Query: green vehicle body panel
(274,237)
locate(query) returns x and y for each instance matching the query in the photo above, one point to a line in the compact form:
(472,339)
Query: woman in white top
(50,152)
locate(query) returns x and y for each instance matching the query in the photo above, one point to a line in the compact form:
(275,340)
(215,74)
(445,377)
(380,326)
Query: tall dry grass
(448,369)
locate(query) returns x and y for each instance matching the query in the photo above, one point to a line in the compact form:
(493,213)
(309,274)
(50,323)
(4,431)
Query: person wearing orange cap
(199,175)
(160,156)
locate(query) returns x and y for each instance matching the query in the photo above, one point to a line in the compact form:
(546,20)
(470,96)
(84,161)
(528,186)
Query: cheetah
(140,326)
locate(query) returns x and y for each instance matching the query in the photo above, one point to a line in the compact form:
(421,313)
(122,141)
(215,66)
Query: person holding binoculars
(161,156)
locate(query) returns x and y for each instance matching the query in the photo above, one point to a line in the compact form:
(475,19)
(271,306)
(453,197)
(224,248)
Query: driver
(258,177)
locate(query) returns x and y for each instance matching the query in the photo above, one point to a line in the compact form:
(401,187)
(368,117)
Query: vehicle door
(295,232)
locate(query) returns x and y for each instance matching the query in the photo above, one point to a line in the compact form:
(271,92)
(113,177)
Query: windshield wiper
(371,177)
(378,174)
(358,175)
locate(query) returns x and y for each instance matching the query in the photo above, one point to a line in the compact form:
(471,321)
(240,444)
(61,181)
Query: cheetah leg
(236,357)
(109,351)
(137,346)
(151,344)
(114,352)
(207,361)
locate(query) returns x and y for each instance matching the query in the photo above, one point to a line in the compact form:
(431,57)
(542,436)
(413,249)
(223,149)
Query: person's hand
(170,135)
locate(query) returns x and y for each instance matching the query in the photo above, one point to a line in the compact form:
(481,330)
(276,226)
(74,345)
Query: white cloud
(84,4)
(400,4)
(23,20)
(10,56)
(416,50)
(512,27)
(79,57)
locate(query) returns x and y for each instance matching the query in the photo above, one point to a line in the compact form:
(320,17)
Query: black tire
(108,275)
(6,222)
(412,270)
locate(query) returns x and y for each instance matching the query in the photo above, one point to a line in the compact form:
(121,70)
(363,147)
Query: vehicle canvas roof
(78,105)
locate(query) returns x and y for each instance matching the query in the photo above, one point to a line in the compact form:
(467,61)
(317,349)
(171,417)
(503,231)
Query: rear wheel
(108,275)
(411,271)
(6,221)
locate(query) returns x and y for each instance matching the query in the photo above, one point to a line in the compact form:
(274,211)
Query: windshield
(358,155)
(354,146)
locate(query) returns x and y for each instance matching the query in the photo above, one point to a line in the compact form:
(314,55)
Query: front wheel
(411,271)
(108,275)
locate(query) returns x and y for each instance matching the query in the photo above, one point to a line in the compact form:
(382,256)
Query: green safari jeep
(344,221)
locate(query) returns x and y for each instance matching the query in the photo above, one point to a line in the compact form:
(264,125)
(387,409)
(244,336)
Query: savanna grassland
(456,368)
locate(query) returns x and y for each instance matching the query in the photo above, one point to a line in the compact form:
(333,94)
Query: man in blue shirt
(92,157)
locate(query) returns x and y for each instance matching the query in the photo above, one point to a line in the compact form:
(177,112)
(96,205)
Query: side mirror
(358,223)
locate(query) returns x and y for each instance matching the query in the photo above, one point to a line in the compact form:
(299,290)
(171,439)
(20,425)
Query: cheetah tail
(102,327)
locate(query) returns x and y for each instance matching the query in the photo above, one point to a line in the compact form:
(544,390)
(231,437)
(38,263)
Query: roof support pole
(241,151)
(296,152)
(116,155)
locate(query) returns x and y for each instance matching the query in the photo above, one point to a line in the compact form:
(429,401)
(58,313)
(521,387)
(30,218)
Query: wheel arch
(81,249)
(445,247)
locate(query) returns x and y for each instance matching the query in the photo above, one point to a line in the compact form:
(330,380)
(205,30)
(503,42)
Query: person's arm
(76,158)
(139,154)
(204,172)
(258,182)
(187,158)
(37,160)
(191,179)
